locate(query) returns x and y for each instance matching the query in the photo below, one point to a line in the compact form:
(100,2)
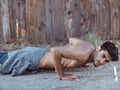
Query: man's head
(105,53)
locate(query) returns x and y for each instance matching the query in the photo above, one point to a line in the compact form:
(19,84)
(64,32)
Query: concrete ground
(91,78)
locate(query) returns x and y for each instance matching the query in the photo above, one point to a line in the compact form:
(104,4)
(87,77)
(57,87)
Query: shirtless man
(77,53)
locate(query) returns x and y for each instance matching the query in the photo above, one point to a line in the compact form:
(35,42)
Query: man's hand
(68,77)
(86,65)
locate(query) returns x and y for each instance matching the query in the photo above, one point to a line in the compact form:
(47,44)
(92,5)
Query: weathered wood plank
(12,17)
(5,20)
(49,23)
(31,21)
(118,4)
(21,18)
(56,24)
(106,29)
(41,21)
(114,19)
(81,17)
(77,16)
(1,36)
(101,18)
(69,18)
(58,20)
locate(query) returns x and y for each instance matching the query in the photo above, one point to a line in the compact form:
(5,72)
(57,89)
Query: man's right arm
(58,54)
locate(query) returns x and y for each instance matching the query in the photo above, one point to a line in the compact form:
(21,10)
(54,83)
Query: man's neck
(91,57)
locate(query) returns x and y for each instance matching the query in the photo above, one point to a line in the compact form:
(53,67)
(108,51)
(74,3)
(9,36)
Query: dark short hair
(111,48)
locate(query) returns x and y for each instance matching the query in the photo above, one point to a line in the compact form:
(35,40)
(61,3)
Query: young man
(78,53)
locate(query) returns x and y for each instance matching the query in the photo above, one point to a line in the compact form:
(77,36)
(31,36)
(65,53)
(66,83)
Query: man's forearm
(58,54)
(57,62)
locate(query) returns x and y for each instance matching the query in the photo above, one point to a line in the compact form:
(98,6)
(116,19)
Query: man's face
(101,57)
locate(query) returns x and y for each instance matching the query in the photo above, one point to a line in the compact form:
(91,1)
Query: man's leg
(3,57)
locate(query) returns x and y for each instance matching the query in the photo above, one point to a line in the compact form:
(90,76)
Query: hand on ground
(68,77)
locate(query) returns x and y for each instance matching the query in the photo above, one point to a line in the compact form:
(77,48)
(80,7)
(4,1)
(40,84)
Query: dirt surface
(91,78)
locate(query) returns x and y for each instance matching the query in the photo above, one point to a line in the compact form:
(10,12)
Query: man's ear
(98,48)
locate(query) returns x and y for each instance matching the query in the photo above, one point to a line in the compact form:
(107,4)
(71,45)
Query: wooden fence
(55,20)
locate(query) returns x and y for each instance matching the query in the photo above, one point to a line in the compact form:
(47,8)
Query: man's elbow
(55,51)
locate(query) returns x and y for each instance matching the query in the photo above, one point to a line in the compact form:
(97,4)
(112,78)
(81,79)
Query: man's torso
(83,50)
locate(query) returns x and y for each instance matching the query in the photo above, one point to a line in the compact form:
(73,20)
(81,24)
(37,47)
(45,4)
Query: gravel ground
(91,78)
